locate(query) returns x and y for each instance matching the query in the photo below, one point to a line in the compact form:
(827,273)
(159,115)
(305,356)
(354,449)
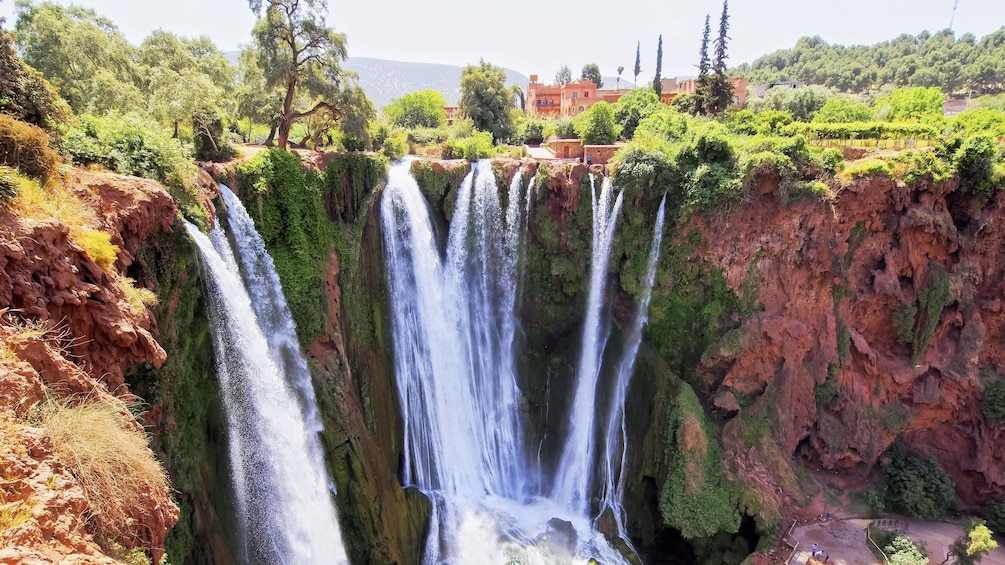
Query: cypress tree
(721,92)
(702,88)
(638,62)
(658,81)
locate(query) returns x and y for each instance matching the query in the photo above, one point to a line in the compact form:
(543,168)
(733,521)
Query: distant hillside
(384,80)
(938,59)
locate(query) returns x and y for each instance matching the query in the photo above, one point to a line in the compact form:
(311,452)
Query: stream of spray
(572,480)
(283,496)
(454,330)
(615,437)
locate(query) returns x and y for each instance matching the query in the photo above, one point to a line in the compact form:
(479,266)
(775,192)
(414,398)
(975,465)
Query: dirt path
(844,541)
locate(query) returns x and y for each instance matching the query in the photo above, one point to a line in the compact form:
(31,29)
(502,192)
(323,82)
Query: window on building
(586,95)
(575,95)
(581,108)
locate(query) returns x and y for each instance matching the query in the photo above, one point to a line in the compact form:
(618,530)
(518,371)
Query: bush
(395,146)
(830,160)
(898,548)
(917,485)
(866,168)
(566,129)
(25,147)
(131,145)
(596,126)
(843,110)
(903,322)
(106,450)
(993,406)
(25,94)
(827,392)
(994,514)
(532,132)
(8,187)
(634,107)
(478,146)
(975,163)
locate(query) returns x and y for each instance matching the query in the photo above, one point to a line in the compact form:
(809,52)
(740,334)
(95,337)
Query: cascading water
(572,480)
(284,501)
(454,330)
(615,437)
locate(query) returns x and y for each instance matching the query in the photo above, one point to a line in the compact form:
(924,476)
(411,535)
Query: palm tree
(621,69)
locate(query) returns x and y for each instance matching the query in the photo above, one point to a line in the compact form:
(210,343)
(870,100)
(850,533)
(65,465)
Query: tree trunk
(286,121)
(175,129)
(272,136)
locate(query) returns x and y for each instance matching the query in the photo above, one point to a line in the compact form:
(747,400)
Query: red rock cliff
(830,276)
(68,328)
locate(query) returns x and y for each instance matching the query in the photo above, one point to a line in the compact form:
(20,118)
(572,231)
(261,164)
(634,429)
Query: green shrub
(596,126)
(904,321)
(867,168)
(898,548)
(975,164)
(916,485)
(993,405)
(566,129)
(843,110)
(830,160)
(532,132)
(994,514)
(828,391)
(478,146)
(934,297)
(427,136)
(25,147)
(8,187)
(395,146)
(132,145)
(25,94)
(633,107)
(896,416)
(844,341)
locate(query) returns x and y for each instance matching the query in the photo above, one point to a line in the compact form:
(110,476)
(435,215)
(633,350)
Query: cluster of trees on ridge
(939,59)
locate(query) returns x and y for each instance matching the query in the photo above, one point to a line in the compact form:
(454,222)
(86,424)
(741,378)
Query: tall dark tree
(658,80)
(563,75)
(704,66)
(720,89)
(591,72)
(638,62)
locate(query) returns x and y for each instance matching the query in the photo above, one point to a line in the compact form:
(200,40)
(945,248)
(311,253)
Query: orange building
(690,86)
(562,100)
(566,100)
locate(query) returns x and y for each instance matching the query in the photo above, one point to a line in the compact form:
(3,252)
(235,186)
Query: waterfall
(454,330)
(615,437)
(283,497)
(572,480)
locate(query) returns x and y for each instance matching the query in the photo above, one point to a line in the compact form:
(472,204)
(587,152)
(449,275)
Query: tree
(842,110)
(702,88)
(486,100)
(25,94)
(638,62)
(658,80)
(596,126)
(720,89)
(634,107)
(564,75)
(81,54)
(255,101)
(621,69)
(423,108)
(916,484)
(973,545)
(301,56)
(591,72)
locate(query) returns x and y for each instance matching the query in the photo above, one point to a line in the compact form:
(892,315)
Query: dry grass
(12,514)
(101,445)
(53,201)
(139,298)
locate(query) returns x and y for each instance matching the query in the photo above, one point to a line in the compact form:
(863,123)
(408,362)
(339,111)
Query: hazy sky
(536,37)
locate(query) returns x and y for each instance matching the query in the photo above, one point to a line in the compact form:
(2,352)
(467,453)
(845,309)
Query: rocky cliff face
(837,362)
(68,328)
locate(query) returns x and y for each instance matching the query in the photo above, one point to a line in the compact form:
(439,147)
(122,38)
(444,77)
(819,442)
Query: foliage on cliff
(696,499)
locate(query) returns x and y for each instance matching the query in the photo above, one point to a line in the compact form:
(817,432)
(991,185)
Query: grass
(107,452)
(53,201)
(139,298)
(12,513)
